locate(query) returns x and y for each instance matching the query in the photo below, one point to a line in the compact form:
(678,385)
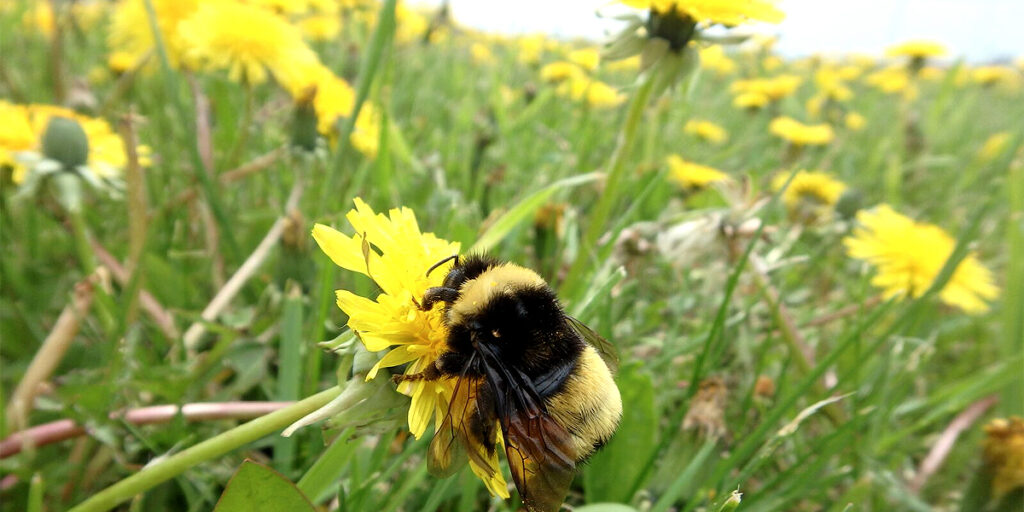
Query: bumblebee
(522,366)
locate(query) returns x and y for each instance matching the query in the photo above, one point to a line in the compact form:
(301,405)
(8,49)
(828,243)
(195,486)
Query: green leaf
(612,471)
(257,488)
(605,507)
(524,210)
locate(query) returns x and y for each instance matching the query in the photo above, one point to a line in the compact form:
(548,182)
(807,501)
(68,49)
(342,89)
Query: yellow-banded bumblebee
(524,366)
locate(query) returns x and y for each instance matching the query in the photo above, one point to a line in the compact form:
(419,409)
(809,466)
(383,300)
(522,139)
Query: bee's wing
(538,452)
(463,433)
(604,347)
(539,449)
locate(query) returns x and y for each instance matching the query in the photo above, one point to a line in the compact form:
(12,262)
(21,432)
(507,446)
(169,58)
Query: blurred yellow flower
(480,53)
(120,62)
(560,71)
(130,32)
(773,89)
(809,188)
(321,27)
(891,80)
(909,255)
(592,91)
(750,100)
(995,75)
(410,25)
(691,176)
(714,58)
(1004,454)
(391,250)
(245,40)
(366,133)
(726,12)
(994,146)
(627,64)
(916,49)
(530,48)
(706,130)
(831,84)
(801,134)
(855,121)
(586,58)
(333,97)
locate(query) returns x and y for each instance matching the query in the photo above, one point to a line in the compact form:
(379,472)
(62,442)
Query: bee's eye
(496,333)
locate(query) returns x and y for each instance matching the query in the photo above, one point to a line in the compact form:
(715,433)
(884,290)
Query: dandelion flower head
(801,134)
(693,176)
(391,250)
(814,188)
(706,130)
(726,12)
(909,255)
(247,41)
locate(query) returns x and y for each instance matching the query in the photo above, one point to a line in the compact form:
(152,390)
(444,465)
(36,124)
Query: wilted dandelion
(909,255)
(706,414)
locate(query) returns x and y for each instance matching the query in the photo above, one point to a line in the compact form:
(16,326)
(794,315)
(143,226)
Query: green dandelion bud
(849,203)
(304,126)
(65,141)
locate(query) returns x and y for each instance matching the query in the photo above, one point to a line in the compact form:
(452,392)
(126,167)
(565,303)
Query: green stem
(612,187)
(86,258)
(1013,309)
(244,125)
(174,465)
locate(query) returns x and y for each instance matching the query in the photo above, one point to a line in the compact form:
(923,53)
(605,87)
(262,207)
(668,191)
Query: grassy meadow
(822,317)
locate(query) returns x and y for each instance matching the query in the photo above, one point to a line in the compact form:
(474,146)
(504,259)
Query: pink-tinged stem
(61,430)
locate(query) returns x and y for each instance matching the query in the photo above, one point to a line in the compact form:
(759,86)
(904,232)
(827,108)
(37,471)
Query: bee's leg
(430,373)
(438,294)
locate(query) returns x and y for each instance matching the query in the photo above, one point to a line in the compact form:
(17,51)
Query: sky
(979,30)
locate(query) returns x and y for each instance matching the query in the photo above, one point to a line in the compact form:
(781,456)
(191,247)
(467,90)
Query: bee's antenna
(442,262)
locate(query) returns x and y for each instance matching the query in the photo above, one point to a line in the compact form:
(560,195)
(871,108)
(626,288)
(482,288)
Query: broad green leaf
(257,488)
(612,471)
(524,210)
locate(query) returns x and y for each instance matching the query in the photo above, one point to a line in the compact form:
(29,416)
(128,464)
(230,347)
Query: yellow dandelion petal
(909,255)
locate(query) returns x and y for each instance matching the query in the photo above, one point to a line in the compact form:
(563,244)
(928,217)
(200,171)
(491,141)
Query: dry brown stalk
(51,352)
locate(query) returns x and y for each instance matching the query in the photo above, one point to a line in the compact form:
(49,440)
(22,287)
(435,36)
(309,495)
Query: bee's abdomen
(588,405)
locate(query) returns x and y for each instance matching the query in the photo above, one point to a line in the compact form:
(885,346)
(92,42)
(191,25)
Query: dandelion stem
(174,465)
(613,183)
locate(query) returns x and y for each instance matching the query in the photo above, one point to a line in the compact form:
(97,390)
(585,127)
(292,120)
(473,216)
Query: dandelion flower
(800,134)
(587,58)
(320,27)
(994,146)
(1004,454)
(774,89)
(480,53)
(693,176)
(855,121)
(916,49)
(909,255)
(130,33)
(560,71)
(750,100)
(809,189)
(594,92)
(245,40)
(366,133)
(726,12)
(706,130)
(714,58)
(391,250)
